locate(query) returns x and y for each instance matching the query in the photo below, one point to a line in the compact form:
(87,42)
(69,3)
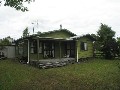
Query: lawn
(91,75)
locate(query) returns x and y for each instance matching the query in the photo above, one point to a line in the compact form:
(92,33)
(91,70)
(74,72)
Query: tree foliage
(25,32)
(5,41)
(38,32)
(106,42)
(17,4)
(105,32)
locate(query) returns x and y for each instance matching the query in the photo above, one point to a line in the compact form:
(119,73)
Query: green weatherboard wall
(88,52)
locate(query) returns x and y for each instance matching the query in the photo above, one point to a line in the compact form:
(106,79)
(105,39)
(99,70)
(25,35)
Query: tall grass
(91,75)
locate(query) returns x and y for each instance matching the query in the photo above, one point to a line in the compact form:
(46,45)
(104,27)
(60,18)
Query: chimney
(60,26)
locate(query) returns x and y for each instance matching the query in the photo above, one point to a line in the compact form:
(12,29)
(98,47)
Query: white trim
(77,50)
(60,48)
(28,53)
(77,55)
(38,48)
(85,46)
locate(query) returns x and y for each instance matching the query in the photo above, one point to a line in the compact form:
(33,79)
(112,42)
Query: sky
(78,16)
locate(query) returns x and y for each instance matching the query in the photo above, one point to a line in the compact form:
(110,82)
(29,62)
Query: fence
(98,54)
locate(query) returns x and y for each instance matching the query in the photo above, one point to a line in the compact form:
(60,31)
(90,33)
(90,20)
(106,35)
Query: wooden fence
(102,55)
(98,54)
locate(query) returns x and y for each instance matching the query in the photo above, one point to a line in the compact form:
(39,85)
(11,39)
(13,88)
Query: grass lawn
(91,75)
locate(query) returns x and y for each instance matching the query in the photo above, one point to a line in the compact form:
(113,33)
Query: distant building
(7,51)
(10,39)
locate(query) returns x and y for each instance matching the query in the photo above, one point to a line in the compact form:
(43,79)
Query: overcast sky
(78,16)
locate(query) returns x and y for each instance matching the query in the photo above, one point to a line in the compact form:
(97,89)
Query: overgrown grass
(91,75)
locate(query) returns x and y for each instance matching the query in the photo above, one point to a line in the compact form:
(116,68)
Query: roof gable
(61,33)
(87,35)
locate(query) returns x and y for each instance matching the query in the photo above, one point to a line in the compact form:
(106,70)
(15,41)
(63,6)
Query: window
(40,47)
(70,49)
(84,46)
(20,48)
(49,50)
(33,47)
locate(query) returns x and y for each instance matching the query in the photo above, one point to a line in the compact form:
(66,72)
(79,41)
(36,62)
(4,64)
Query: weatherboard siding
(57,34)
(88,52)
(25,48)
(60,50)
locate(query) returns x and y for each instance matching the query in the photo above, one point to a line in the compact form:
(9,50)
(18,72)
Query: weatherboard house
(55,44)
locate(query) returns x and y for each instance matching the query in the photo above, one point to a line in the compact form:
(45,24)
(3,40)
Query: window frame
(70,48)
(83,46)
(47,49)
(40,51)
(33,45)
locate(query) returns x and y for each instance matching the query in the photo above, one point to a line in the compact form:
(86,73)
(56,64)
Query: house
(7,51)
(54,45)
(9,39)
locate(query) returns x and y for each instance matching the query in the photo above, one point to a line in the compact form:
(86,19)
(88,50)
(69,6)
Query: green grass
(91,75)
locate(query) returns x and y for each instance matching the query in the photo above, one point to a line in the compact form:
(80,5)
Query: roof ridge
(59,30)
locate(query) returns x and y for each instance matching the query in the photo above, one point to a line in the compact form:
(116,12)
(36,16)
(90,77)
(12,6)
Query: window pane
(53,53)
(72,45)
(40,47)
(52,46)
(20,50)
(45,54)
(68,46)
(33,47)
(32,50)
(72,53)
(49,49)
(31,44)
(68,53)
(82,45)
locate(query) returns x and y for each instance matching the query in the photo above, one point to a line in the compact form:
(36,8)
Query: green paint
(57,50)
(57,34)
(87,53)
(25,48)
(59,46)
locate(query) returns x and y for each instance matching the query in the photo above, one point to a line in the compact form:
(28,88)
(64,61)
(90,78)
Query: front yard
(91,75)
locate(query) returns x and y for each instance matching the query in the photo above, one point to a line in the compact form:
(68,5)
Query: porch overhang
(51,39)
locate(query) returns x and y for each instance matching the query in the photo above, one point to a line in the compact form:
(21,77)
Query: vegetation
(105,42)
(17,4)
(6,41)
(25,32)
(91,75)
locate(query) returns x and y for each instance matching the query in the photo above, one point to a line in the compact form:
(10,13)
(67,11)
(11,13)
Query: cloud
(79,16)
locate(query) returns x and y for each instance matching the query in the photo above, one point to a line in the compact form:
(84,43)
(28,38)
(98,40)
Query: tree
(96,43)
(105,32)
(5,41)
(38,32)
(17,4)
(25,32)
(111,49)
(107,43)
(118,41)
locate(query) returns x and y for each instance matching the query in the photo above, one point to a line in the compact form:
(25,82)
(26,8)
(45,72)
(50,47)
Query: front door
(49,50)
